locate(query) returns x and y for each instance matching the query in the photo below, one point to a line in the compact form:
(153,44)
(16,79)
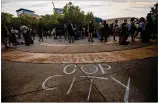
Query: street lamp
(54,7)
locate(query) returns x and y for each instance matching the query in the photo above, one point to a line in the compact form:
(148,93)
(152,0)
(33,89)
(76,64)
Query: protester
(84,32)
(111,28)
(115,29)
(101,26)
(5,35)
(148,29)
(141,24)
(24,30)
(91,31)
(71,32)
(80,31)
(40,33)
(33,33)
(12,38)
(98,31)
(76,32)
(105,29)
(58,32)
(65,32)
(124,33)
(132,29)
(53,32)
(30,40)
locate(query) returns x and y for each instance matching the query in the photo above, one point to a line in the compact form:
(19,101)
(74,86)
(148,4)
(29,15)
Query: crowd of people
(71,32)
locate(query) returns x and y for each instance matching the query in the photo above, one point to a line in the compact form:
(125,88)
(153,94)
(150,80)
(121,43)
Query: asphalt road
(132,81)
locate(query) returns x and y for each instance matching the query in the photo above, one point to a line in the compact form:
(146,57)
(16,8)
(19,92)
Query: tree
(47,22)
(154,12)
(6,19)
(76,15)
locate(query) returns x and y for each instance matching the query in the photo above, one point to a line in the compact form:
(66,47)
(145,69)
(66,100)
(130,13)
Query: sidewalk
(114,56)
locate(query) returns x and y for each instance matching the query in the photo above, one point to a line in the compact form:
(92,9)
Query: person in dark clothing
(33,34)
(30,40)
(115,29)
(58,33)
(91,31)
(71,32)
(132,29)
(65,32)
(141,24)
(12,37)
(104,34)
(40,33)
(80,31)
(148,29)
(124,33)
(154,34)
(76,31)
(84,32)
(25,32)
(4,35)
(54,33)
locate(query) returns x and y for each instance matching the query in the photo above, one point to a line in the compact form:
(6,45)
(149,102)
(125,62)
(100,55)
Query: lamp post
(54,7)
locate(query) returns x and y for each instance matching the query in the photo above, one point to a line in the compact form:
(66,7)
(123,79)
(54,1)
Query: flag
(59,10)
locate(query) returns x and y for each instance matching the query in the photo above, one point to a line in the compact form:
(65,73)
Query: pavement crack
(62,49)
(34,91)
(93,85)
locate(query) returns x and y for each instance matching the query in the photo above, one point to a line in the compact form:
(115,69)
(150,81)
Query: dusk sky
(105,8)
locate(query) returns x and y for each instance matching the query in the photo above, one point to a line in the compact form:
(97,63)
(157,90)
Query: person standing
(25,32)
(148,29)
(33,33)
(75,31)
(124,33)
(115,29)
(141,25)
(105,29)
(40,33)
(65,32)
(80,31)
(30,31)
(5,35)
(91,31)
(13,37)
(84,32)
(53,32)
(132,29)
(71,32)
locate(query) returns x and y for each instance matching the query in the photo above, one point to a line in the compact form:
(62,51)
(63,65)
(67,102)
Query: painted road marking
(115,56)
(64,70)
(118,82)
(71,85)
(90,88)
(126,96)
(127,91)
(44,83)
(96,69)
